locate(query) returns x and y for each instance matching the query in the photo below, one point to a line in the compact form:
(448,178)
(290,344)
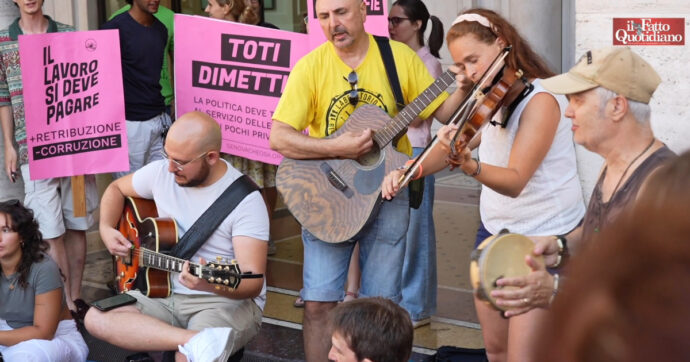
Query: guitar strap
(391,71)
(207,223)
(415,187)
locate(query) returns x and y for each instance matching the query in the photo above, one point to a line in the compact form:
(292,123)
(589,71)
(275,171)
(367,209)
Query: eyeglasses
(395,20)
(181,165)
(354,93)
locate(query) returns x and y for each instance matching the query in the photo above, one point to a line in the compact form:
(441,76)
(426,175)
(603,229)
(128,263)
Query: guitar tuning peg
(210,279)
(227,268)
(219,258)
(226,282)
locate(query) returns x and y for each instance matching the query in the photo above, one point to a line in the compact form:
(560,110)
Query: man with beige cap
(609,92)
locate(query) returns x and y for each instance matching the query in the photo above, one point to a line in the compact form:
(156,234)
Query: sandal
(82,308)
(299,303)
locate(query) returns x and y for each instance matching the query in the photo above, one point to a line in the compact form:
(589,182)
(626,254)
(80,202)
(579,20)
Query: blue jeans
(419,282)
(381,252)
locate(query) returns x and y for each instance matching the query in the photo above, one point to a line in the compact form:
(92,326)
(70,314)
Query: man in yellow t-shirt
(317,96)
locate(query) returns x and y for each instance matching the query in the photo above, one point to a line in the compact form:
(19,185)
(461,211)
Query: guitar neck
(151,259)
(412,110)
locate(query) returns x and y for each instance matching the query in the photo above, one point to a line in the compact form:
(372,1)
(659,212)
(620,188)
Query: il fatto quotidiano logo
(648,31)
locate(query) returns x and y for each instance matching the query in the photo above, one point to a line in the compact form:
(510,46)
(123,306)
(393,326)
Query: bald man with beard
(209,324)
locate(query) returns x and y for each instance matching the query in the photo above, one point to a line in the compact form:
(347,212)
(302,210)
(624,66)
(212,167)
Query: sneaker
(207,345)
(421,322)
(272,248)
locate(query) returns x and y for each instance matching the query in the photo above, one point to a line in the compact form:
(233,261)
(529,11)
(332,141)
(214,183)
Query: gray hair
(640,111)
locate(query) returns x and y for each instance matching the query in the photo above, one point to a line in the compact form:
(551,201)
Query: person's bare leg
(59,255)
(270,195)
(523,334)
(494,331)
(317,340)
(354,274)
(75,247)
(130,329)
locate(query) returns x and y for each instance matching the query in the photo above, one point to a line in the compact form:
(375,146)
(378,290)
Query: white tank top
(551,203)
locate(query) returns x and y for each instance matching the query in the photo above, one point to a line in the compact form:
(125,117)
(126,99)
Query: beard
(198,178)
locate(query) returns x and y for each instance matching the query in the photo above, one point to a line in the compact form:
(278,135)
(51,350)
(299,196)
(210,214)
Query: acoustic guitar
(336,198)
(147,267)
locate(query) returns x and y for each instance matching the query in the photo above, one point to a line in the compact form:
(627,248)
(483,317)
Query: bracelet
(477,171)
(562,250)
(555,288)
(419,167)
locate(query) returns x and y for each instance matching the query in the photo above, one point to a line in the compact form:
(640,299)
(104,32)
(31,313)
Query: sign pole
(78,196)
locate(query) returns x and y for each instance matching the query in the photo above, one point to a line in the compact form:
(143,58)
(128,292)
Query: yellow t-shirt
(317,92)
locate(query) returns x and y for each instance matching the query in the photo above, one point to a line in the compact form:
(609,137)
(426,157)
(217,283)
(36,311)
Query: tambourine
(499,256)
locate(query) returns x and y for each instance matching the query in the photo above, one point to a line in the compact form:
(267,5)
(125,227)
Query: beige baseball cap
(618,69)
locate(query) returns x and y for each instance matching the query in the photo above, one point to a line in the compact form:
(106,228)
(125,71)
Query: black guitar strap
(207,223)
(391,71)
(416,187)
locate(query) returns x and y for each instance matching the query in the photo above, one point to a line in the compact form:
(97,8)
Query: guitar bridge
(335,180)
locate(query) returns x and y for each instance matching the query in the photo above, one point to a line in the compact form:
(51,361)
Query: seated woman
(35,323)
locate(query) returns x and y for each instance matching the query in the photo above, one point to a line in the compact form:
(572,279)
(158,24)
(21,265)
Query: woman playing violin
(527,168)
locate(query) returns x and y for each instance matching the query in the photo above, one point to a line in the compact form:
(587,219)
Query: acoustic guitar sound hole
(371,158)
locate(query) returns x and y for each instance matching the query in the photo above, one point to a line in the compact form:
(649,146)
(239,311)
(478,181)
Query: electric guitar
(334,199)
(147,268)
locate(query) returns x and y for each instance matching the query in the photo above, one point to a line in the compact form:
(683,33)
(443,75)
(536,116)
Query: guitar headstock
(228,275)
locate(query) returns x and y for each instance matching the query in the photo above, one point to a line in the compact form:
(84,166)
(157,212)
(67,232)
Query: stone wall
(670,110)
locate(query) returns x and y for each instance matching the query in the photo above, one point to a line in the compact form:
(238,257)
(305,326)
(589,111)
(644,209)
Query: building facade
(559,30)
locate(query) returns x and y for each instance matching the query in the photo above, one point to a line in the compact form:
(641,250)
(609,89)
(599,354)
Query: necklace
(620,180)
(12,281)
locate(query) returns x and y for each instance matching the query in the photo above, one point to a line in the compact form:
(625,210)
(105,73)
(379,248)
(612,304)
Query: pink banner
(377,21)
(235,73)
(75,114)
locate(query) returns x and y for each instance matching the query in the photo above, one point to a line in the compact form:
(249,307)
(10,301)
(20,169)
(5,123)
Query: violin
(499,87)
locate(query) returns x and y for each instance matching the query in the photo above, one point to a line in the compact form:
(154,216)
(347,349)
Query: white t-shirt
(186,204)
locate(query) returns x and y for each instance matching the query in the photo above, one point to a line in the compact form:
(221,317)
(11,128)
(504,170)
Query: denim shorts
(381,254)
(482,234)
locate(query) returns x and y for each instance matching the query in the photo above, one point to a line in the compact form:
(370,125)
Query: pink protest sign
(377,21)
(75,115)
(235,73)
